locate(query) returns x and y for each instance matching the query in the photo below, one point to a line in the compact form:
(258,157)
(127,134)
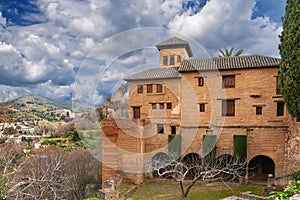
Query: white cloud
(170,8)
(223,24)
(43,56)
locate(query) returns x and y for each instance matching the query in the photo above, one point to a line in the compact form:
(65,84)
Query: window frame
(149,88)
(173,130)
(160,128)
(140,89)
(226,79)
(134,108)
(201,107)
(172,60)
(159,88)
(165,60)
(169,106)
(200,81)
(258,110)
(161,106)
(277,86)
(154,106)
(280,108)
(178,58)
(226,112)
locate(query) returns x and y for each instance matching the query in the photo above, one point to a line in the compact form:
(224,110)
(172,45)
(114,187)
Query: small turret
(173,51)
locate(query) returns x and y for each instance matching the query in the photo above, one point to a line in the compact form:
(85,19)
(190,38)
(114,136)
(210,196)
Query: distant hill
(40,101)
(35,107)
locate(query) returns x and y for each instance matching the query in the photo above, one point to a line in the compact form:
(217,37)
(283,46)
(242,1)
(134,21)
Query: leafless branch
(197,169)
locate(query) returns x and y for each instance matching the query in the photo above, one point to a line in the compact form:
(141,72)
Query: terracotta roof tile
(239,62)
(155,73)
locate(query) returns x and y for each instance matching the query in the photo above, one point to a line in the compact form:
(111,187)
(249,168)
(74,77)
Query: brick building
(232,100)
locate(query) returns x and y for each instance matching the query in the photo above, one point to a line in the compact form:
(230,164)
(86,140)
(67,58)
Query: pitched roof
(155,73)
(226,63)
(175,42)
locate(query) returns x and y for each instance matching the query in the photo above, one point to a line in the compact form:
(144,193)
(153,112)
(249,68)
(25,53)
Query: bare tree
(85,170)
(5,107)
(43,176)
(10,164)
(196,169)
(46,173)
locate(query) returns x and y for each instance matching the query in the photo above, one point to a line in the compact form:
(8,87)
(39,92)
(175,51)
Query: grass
(125,187)
(167,190)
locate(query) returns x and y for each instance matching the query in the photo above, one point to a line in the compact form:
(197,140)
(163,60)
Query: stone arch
(223,161)
(260,167)
(190,160)
(159,162)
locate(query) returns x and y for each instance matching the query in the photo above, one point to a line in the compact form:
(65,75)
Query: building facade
(235,100)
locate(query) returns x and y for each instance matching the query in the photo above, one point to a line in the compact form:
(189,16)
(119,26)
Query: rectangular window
(160,128)
(173,130)
(178,58)
(159,88)
(258,110)
(200,81)
(169,105)
(140,89)
(228,81)
(154,106)
(228,107)
(149,88)
(136,112)
(165,60)
(172,60)
(161,106)
(280,108)
(277,86)
(202,107)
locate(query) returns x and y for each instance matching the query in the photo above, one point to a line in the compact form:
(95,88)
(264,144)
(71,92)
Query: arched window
(172,60)
(165,60)
(178,58)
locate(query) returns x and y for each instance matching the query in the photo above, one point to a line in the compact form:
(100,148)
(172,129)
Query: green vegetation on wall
(174,145)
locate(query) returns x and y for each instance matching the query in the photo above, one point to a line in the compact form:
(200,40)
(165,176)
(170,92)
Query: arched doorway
(159,162)
(260,167)
(191,160)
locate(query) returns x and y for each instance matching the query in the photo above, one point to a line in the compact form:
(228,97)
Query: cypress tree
(289,75)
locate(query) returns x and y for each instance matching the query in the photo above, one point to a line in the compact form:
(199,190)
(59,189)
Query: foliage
(290,190)
(296,175)
(289,75)
(230,53)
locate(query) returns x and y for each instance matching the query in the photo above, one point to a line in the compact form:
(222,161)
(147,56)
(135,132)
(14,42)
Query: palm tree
(229,53)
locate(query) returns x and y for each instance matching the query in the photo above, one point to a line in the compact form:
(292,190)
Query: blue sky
(45,45)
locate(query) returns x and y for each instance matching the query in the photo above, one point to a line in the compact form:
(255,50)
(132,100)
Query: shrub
(289,191)
(296,175)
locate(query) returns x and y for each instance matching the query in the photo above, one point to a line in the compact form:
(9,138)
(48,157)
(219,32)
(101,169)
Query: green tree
(289,75)
(230,53)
